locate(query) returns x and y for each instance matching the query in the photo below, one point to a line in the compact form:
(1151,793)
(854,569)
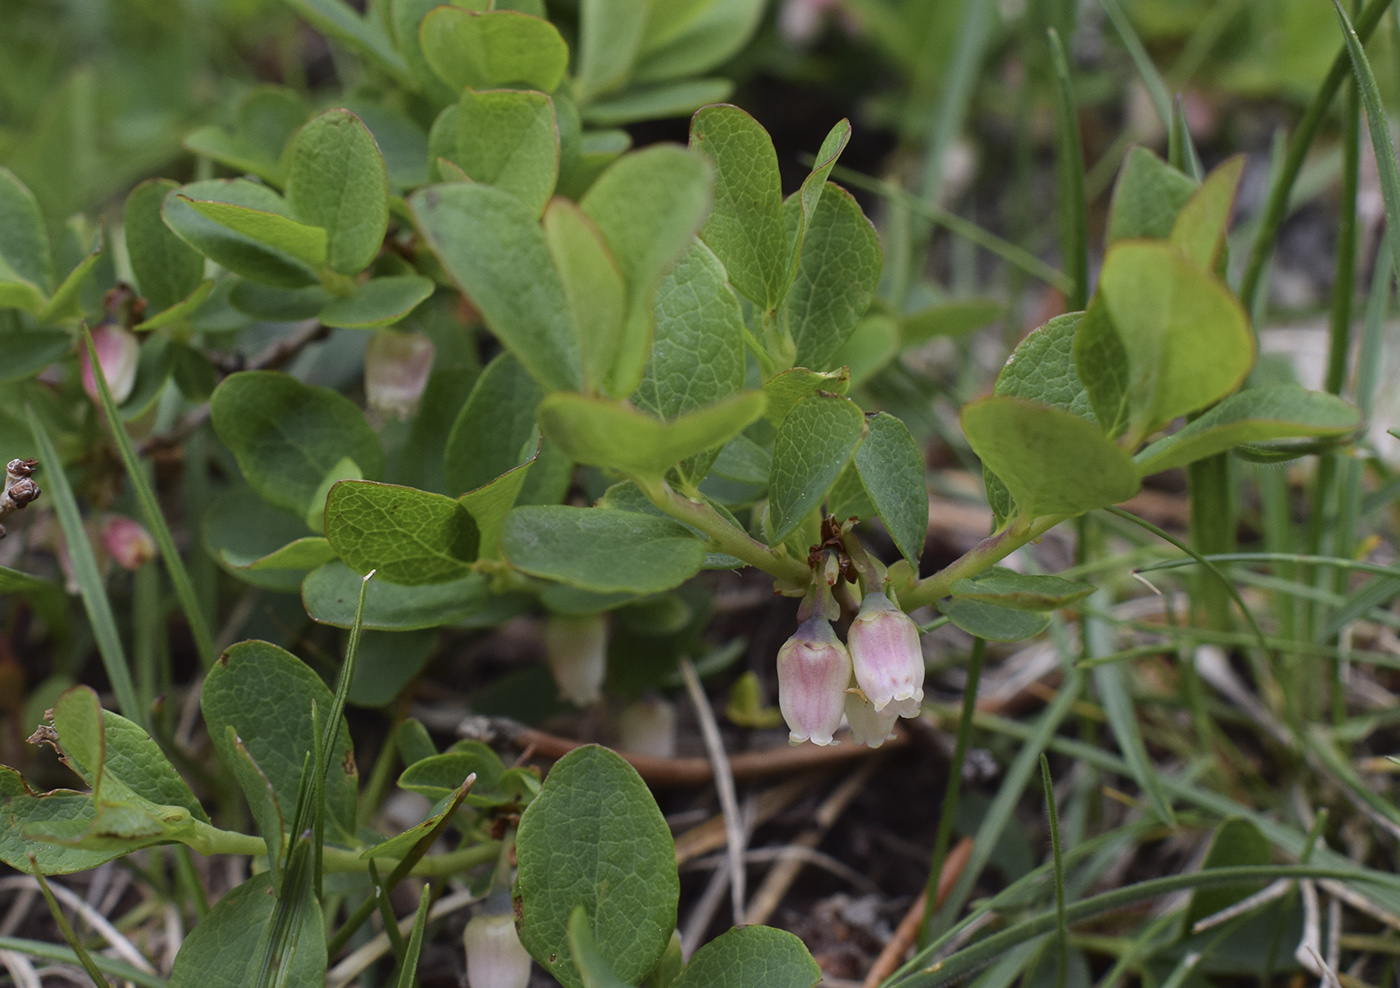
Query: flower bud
(868,727)
(889,664)
(495,958)
(814,670)
(648,727)
(577,650)
(117,354)
(129,545)
(397,365)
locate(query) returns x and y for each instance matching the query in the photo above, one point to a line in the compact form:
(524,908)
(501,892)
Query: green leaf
(28,351)
(675,99)
(595,838)
(299,241)
(167,269)
(240,253)
(387,663)
(1187,339)
(647,205)
(847,497)
(809,196)
(378,302)
(610,37)
(891,470)
(67,297)
(495,49)
(438,776)
(600,550)
(957,318)
(615,435)
(745,228)
(366,35)
(813,444)
(490,503)
(697,353)
(1101,361)
(1042,368)
(239,529)
(996,624)
(837,271)
(265,694)
(508,138)
(1021,591)
(24,240)
(748,956)
(329,594)
(1283,411)
(785,390)
(687,38)
(272,304)
(406,536)
(234,151)
(593,969)
(22,810)
(406,18)
(222,950)
(287,436)
(593,287)
(1204,219)
(1052,461)
(1147,197)
(494,249)
(870,347)
(1237,842)
(337,180)
(495,430)
(262,801)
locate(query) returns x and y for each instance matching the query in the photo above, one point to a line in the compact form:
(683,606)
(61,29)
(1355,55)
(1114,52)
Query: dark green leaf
(997,624)
(24,241)
(405,535)
(378,302)
(813,444)
(336,180)
(599,550)
(495,431)
(749,956)
(785,390)
(287,436)
(329,594)
(891,469)
(167,269)
(1021,591)
(594,837)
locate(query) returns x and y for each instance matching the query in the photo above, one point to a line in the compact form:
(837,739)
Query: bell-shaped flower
(868,727)
(495,957)
(397,365)
(648,727)
(129,544)
(117,354)
(577,651)
(889,664)
(814,670)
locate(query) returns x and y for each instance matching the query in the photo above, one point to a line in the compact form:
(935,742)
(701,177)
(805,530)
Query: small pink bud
(889,664)
(868,727)
(495,958)
(397,365)
(129,545)
(577,650)
(648,727)
(117,353)
(814,670)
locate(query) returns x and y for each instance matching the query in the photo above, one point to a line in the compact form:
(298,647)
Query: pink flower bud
(129,545)
(868,727)
(396,371)
(814,670)
(577,650)
(889,664)
(648,727)
(495,958)
(117,353)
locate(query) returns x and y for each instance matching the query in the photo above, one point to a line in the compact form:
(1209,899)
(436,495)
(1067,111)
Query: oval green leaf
(600,550)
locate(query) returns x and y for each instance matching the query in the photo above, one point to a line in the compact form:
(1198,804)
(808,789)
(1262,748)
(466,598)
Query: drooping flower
(117,353)
(127,542)
(577,651)
(814,670)
(397,365)
(889,664)
(868,727)
(495,957)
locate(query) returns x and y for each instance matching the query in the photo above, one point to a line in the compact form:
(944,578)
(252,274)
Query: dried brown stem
(908,929)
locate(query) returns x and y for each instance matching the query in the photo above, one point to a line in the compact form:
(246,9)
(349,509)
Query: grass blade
(1151,78)
(155,519)
(64,955)
(408,974)
(1069,171)
(1061,926)
(90,586)
(1277,206)
(66,928)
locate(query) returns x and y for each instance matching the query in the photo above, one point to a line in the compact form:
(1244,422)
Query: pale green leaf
(813,444)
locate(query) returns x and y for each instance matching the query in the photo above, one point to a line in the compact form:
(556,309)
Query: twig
(806,855)
(708,836)
(908,929)
(724,786)
(20,489)
(781,876)
(20,969)
(684,771)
